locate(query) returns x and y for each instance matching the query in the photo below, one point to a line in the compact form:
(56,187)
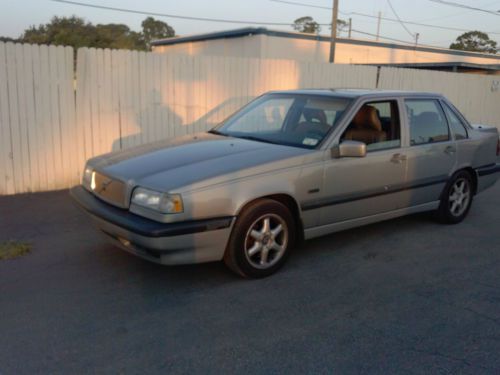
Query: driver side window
(377,124)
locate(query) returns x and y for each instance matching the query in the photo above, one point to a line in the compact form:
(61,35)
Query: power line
(306,5)
(455,14)
(219,20)
(418,23)
(383,18)
(463,6)
(381,37)
(399,19)
(212,19)
(395,39)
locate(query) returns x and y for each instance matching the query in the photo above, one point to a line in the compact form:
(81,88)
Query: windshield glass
(286,119)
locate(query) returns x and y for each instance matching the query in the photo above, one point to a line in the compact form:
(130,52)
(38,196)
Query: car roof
(357,93)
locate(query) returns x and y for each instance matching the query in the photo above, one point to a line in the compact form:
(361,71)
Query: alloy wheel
(266,241)
(459,198)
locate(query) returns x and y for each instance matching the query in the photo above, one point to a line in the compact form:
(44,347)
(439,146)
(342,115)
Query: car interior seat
(366,127)
(315,122)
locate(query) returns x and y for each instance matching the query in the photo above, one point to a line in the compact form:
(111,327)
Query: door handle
(398,158)
(450,150)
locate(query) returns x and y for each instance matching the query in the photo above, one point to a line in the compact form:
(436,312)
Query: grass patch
(13,249)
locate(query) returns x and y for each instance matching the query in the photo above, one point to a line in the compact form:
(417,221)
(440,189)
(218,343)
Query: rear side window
(457,126)
(427,121)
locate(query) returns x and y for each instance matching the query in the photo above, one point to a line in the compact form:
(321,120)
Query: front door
(360,187)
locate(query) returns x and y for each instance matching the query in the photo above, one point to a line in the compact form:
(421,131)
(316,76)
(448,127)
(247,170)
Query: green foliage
(153,29)
(341,26)
(76,32)
(117,36)
(306,25)
(6,39)
(475,41)
(310,26)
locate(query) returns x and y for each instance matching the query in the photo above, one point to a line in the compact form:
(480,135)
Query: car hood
(194,161)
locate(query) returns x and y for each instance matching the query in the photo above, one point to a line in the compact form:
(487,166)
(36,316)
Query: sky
(17,15)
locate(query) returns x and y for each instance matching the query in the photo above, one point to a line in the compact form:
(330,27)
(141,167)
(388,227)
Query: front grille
(108,189)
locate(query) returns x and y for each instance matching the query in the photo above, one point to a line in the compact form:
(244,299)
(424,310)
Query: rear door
(431,153)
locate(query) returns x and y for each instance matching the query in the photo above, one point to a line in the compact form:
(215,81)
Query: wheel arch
(472,173)
(467,169)
(288,201)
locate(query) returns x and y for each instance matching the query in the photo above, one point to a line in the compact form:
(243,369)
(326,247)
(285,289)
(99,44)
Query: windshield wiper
(216,132)
(257,139)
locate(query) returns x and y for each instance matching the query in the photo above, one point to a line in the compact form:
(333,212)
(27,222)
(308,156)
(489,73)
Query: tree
(475,41)
(153,29)
(68,31)
(76,32)
(6,39)
(117,36)
(306,25)
(341,26)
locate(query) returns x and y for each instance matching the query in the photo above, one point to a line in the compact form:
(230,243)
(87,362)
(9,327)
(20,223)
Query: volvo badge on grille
(104,185)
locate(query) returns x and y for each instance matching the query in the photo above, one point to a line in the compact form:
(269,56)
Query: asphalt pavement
(404,296)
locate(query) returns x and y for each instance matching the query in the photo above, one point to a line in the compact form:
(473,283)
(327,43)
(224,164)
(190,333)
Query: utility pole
(378,25)
(350,28)
(417,35)
(335,14)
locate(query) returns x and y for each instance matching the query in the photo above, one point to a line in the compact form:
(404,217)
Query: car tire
(261,240)
(456,198)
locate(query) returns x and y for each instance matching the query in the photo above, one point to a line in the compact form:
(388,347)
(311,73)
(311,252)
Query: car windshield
(286,119)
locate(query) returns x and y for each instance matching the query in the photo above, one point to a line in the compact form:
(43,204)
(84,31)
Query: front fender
(230,198)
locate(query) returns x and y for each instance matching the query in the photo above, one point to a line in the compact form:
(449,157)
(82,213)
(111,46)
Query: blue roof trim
(286,34)
(458,64)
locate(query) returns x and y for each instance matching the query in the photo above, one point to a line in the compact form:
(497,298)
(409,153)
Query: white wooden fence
(52,118)
(126,98)
(37,118)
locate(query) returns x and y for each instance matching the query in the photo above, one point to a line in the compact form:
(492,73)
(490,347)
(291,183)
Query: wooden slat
(39,149)
(63,103)
(115,97)
(7,185)
(14,121)
(56,118)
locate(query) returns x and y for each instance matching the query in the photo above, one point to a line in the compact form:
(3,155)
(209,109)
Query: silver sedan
(289,166)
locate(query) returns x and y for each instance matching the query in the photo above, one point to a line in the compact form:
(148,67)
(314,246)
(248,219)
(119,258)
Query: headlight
(161,202)
(88,178)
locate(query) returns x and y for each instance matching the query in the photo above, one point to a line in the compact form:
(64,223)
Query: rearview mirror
(350,149)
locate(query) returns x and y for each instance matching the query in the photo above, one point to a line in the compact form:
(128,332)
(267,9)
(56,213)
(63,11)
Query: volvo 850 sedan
(289,166)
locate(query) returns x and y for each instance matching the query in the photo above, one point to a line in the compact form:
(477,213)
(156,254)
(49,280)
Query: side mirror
(349,149)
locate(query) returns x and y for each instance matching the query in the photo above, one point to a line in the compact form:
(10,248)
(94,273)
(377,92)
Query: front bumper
(188,242)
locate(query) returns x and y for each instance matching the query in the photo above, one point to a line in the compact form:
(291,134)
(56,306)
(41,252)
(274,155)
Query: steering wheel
(317,133)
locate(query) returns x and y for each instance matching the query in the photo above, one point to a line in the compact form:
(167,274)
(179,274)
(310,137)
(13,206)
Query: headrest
(367,118)
(315,115)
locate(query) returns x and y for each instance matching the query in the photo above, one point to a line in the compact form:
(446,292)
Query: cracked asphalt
(404,296)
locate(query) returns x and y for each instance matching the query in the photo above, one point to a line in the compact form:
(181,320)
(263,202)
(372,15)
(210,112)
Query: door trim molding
(353,223)
(351,197)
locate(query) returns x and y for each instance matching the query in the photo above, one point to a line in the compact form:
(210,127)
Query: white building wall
(247,46)
(276,47)
(346,53)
